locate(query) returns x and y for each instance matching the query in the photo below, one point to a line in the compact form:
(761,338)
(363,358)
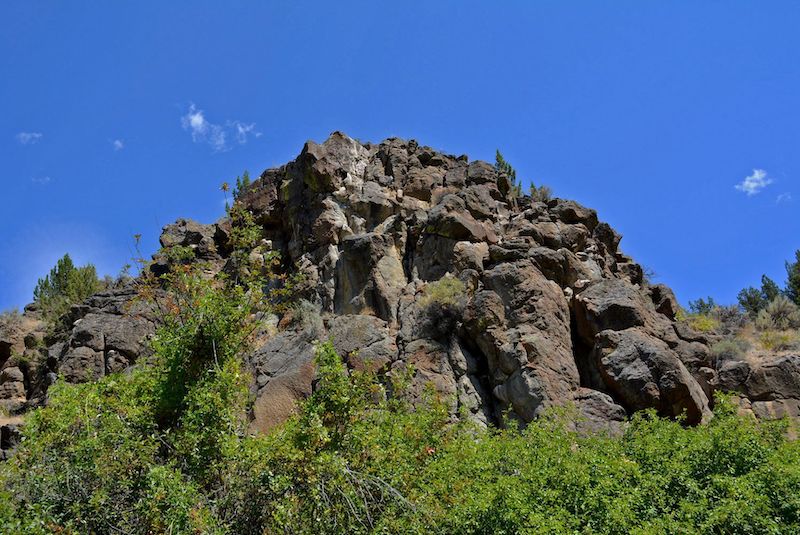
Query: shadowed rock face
(554,313)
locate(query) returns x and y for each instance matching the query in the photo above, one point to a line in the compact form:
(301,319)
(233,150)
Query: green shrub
(447,291)
(179,254)
(702,306)
(702,322)
(354,461)
(142,452)
(778,340)
(763,321)
(164,449)
(784,313)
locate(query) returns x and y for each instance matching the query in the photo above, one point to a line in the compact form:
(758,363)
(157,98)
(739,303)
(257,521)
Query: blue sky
(650,112)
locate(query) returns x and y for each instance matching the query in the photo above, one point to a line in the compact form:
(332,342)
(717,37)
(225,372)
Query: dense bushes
(164,450)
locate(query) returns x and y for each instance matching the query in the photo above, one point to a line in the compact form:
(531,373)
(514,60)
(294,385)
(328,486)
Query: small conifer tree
(64,286)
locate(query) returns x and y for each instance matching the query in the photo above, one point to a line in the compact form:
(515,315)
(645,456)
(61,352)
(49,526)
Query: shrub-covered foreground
(164,449)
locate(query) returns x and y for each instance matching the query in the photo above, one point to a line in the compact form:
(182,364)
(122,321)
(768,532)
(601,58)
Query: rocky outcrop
(553,313)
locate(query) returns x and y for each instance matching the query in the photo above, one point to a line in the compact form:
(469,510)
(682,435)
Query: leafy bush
(447,291)
(702,322)
(353,460)
(443,303)
(164,449)
(64,286)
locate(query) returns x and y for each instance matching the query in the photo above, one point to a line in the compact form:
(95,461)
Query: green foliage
(702,322)
(778,340)
(538,194)
(753,300)
(353,460)
(143,452)
(445,291)
(179,254)
(242,183)
(502,166)
(781,314)
(251,261)
(702,306)
(793,279)
(64,286)
(164,449)
(245,232)
(769,289)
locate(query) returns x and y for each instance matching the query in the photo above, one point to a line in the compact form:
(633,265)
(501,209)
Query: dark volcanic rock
(552,312)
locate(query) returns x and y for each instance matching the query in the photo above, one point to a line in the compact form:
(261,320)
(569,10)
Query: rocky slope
(554,312)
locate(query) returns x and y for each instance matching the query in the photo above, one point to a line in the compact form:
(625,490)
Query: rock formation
(554,312)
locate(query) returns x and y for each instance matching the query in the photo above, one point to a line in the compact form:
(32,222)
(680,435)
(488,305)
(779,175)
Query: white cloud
(118,144)
(216,135)
(40,180)
(243,130)
(784,197)
(754,183)
(29,138)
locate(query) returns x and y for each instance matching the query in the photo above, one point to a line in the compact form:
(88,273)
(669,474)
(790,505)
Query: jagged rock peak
(551,311)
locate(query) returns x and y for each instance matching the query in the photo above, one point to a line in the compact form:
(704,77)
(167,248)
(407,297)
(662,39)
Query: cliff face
(552,313)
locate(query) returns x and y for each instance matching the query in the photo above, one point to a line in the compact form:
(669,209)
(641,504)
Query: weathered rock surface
(553,312)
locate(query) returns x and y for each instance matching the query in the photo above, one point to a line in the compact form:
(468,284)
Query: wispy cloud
(783,197)
(216,135)
(29,138)
(42,180)
(244,130)
(754,183)
(118,144)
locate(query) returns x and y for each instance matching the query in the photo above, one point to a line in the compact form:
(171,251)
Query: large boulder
(644,373)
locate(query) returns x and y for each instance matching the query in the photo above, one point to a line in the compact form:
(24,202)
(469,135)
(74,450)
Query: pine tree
(64,286)
(242,183)
(793,278)
(769,289)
